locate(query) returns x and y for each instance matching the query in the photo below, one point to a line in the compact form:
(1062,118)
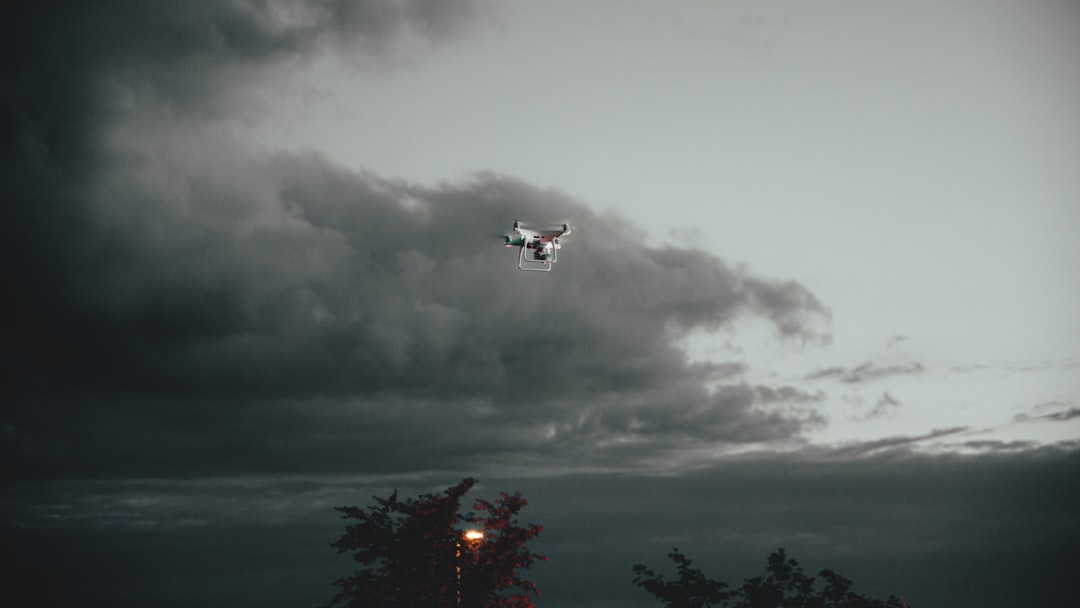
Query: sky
(820,292)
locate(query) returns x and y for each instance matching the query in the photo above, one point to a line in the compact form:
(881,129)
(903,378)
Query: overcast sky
(820,293)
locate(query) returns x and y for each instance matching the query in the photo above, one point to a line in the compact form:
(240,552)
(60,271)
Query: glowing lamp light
(474,535)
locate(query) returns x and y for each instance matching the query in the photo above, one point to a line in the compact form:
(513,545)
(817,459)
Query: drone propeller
(563,226)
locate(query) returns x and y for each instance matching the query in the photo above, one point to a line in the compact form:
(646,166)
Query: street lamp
(473,537)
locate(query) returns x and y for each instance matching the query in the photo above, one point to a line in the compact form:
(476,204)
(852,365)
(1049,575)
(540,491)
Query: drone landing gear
(524,263)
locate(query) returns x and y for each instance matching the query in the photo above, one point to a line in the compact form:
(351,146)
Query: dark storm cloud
(189,303)
(73,71)
(320,302)
(188,53)
(865,372)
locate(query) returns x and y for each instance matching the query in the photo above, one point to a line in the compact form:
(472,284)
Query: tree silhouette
(413,553)
(784,585)
(692,590)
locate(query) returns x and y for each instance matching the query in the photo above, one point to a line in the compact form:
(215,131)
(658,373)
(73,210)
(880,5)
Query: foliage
(783,586)
(692,590)
(412,553)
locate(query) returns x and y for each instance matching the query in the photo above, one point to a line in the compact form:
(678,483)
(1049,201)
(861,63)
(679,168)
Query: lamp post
(473,537)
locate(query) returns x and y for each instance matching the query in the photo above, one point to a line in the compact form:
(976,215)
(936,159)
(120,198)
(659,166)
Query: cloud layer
(189,302)
(930,527)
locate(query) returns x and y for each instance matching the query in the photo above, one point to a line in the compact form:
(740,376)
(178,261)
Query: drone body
(538,249)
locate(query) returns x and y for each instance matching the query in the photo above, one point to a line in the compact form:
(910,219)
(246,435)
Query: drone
(538,248)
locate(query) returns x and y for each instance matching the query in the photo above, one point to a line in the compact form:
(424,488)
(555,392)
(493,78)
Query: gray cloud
(865,372)
(1059,364)
(79,77)
(1058,416)
(1065,415)
(884,405)
(1000,447)
(323,317)
(320,295)
(868,448)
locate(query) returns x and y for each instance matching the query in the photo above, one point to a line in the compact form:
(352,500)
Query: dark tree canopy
(784,585)
(692,590)
(413,553)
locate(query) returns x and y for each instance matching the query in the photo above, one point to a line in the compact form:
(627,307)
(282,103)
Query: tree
(783,586)
(413,554)
(692,590)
